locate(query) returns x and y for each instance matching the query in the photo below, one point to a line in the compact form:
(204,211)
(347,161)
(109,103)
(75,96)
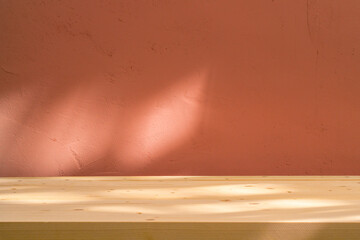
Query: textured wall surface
(216,87)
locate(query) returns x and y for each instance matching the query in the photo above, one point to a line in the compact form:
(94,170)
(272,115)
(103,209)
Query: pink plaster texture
(179,87)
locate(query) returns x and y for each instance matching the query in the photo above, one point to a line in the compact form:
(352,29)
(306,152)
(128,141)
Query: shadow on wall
(179,87)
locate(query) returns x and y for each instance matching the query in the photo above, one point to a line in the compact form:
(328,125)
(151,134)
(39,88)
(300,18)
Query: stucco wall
(183,87)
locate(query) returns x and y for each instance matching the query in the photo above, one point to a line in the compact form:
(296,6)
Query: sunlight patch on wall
(165,121)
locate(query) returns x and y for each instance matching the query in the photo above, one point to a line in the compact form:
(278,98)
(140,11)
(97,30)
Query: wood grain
(269,207)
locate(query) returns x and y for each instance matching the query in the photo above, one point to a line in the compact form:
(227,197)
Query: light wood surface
(180,207)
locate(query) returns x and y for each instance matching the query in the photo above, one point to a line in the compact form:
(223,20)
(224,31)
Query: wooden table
(165,208)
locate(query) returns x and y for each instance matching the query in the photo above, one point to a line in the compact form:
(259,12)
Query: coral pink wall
(217,87)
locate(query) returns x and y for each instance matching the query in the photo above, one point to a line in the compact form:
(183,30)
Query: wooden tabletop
(180,199)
